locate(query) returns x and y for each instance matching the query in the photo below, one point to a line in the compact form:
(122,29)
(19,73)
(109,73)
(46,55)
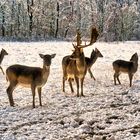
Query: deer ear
(41,55)
(96,49)
(53,55)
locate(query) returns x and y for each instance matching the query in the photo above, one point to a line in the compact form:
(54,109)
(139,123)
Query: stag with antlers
(74,66)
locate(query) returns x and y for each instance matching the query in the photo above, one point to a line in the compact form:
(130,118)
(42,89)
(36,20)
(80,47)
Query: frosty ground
(106,112)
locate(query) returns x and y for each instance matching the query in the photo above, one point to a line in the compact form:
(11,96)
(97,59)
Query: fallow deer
(74,66)
(129,67)
(2,54)
(33,77)
(90,61)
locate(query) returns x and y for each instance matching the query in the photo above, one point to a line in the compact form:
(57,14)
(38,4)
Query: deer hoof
(83,95)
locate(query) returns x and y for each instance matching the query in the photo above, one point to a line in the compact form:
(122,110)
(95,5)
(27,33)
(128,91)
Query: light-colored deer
(129,67)
(74,66)
(90,61)
(33,77)
(2,54)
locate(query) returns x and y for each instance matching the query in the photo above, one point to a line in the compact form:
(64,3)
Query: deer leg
(114,78)
(130,78)
(39,95)
(10,90)
(118,79)
(33,94)
(64,79)
(116,75)
(71,87)
(77,82)
(2,70)
(82,81)
(91,75)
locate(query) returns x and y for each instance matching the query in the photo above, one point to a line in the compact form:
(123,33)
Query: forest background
(41,20)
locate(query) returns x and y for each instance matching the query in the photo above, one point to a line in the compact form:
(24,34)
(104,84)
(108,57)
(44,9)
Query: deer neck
(45,71)
(46,68)
(93,58)
(1,57)
(136,65)
(80,62)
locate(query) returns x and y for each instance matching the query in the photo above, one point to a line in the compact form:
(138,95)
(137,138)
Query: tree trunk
(3,21)
(66,32)
(30,13)
(78,15)
(57,20)
(18,24)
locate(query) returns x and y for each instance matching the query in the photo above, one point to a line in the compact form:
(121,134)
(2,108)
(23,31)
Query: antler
(78,39)
(93,38)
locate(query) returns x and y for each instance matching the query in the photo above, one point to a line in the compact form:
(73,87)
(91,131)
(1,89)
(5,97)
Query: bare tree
(30,5)
(57,19)
(3,20)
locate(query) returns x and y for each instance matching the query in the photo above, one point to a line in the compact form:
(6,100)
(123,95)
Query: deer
(90,61)
(74,66)
(129,67)
(27,76)
(2,54)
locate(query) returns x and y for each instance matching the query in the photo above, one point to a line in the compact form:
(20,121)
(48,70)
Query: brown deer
(90,61)
(2,54)
(129,67)
(33,77)
(74,66)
